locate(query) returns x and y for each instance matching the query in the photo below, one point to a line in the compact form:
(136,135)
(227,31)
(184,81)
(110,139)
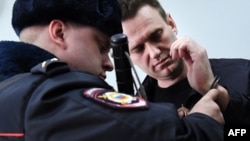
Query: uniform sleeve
(238,108)
(238,86)
(64,116)
(235,77)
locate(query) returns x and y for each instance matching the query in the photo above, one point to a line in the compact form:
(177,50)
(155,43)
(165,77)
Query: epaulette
(51,67)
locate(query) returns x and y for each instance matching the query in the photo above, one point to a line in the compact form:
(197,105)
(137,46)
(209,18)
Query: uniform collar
(19,57)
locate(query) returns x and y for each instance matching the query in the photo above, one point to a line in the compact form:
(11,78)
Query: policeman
(55,89)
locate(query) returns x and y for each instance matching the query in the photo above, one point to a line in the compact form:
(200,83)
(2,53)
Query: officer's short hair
(105,15)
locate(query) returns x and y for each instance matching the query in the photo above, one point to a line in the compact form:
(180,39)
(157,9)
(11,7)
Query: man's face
(88,50)
(150,39)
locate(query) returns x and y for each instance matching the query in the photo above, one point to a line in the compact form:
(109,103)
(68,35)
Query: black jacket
(235,76)
(52,103)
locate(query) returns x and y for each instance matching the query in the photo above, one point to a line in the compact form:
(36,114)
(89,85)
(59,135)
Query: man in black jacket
(54,88)
(178,69)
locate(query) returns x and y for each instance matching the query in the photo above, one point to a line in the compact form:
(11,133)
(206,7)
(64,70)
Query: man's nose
(154,51)
(107,64)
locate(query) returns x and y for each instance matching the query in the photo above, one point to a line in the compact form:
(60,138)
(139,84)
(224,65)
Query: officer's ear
(56,32)
(170,21)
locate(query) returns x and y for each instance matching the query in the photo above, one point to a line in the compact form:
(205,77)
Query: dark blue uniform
(55,103)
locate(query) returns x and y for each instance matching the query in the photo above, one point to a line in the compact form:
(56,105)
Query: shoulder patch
(115,99)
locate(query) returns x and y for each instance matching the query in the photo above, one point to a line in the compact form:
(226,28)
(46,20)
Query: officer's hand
(199,72)
(182,111)
(208,106)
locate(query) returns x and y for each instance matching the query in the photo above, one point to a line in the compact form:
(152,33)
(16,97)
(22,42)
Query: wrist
(215,82)
(211,85)
(223,97)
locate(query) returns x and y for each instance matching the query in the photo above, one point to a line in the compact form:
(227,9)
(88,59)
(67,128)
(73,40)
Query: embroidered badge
(115,99)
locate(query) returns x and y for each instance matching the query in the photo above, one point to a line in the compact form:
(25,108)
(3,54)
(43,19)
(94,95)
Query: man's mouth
(162,61)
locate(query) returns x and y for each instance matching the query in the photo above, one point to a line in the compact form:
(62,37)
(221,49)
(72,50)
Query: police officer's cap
(105,15)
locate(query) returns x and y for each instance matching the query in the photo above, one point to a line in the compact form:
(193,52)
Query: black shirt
(177,94)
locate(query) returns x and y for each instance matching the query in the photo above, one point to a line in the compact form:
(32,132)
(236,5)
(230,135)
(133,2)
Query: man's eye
(103,45)
(156,36)
(104,49)
(137,49)
(101,48)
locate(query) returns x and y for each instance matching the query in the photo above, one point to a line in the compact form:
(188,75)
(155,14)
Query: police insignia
(115,99)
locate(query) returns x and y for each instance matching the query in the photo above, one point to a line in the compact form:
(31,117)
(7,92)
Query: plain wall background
(221,26)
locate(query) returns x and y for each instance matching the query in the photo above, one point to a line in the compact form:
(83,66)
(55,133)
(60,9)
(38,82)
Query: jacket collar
(19,57)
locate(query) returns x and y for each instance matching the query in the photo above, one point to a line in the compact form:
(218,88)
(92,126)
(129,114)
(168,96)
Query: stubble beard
(178,70)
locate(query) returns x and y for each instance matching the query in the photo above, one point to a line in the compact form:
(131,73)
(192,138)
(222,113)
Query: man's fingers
(213,94)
